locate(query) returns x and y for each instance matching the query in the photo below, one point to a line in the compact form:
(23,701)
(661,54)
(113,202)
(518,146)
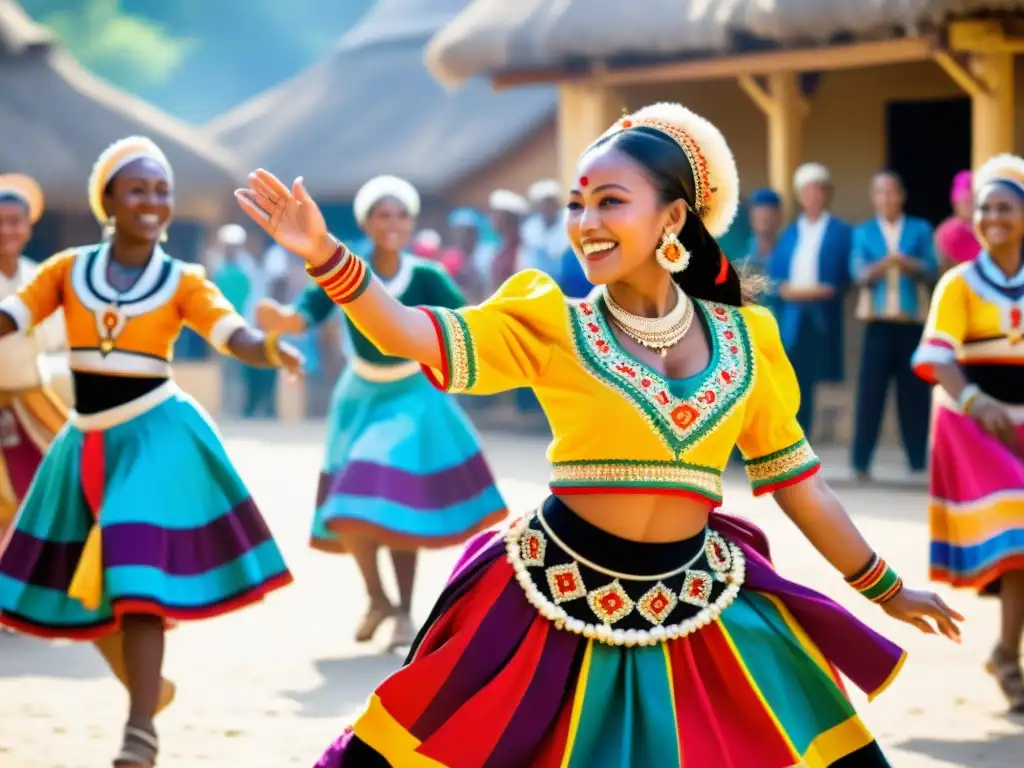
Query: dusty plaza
(271,687)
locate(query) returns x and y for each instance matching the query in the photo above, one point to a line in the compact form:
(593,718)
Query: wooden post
(585,111)
(784,108)
(992,109)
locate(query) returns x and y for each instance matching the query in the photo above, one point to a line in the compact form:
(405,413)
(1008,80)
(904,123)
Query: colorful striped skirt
(976,510)
(135,510)
(556,645)
(29,420)
(403,466)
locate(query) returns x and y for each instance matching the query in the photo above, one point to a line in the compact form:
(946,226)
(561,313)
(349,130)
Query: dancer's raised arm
(292,218)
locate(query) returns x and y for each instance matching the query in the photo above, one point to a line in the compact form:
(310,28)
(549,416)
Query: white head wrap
(811,173)
(380,187)
(507,201)
(544,190)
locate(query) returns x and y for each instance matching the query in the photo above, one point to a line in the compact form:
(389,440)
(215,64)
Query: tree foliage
(197,58)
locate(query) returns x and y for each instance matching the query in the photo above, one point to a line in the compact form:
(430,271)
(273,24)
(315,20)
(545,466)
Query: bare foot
(374,617)
(404,633)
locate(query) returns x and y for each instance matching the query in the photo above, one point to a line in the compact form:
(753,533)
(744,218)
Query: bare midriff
(650,518)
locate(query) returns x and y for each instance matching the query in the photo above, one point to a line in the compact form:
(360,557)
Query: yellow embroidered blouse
(130,333)
(977,320)
(617,425)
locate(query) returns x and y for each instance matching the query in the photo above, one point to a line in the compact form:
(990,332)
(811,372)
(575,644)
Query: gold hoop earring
(671,255)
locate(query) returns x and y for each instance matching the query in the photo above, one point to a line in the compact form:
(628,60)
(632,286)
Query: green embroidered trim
(778,467)
(460,355)
(680,422)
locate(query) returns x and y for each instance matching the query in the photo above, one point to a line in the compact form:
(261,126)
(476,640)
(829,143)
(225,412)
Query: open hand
(915,607)
(292,360)
(993,418)
(290,216)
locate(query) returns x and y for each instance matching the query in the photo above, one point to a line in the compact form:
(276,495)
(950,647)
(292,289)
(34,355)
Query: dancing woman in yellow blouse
(625,622)
(136,518)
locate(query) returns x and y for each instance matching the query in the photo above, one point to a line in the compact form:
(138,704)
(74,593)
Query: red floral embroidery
(726,377)
(1015,317)
(611,603)
(661,398)
(684,415)
(626,370)
(566,583)
(729,335)
(645,382)
(592,327)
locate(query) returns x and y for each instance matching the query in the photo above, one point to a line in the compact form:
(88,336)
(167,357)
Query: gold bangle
(270,349)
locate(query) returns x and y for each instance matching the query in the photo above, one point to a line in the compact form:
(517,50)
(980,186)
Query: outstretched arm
(820,516)
(292,218)
(780,461)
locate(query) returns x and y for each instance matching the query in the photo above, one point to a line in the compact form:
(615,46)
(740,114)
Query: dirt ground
(272,686)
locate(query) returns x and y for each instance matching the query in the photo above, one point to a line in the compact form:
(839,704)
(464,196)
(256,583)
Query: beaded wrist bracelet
(876,581)
(344,277)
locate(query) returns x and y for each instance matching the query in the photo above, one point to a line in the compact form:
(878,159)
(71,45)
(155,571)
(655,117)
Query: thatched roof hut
(372,107)
(497,37)
(55,119)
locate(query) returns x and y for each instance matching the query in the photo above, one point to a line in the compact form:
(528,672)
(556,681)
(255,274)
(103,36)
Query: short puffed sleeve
(205,309)
(42,295)
(504,343)
(946,328)
(773,444)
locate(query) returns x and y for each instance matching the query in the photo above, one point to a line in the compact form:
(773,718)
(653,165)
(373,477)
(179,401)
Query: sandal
(139,748)
(371,622)
(403,633)
(1007,672)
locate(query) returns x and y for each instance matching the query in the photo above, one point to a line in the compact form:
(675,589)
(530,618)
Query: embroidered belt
(617,608)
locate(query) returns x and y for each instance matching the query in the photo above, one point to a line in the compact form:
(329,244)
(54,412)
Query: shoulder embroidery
(680,422)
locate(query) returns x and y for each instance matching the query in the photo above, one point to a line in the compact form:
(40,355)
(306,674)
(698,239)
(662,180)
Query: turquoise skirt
(402,466)
(179,533)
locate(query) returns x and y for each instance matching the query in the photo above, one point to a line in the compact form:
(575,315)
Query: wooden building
(372,107)
(925,88)
(56,118)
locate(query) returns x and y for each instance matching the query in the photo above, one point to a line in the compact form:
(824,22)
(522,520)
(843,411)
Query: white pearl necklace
(657,333)
(603,632)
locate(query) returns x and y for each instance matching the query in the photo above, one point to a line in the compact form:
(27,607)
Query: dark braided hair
(709,275)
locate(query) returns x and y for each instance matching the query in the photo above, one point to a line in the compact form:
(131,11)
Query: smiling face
(999,217)
(141,200)
(616,217)
(389,225)
(15,228)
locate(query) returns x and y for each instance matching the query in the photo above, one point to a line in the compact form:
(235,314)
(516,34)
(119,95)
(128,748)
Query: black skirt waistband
(612,552)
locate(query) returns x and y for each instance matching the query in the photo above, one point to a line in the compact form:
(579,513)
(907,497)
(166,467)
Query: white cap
(507,201)
(543,190)
(381,187)
(232,234)
(811,173)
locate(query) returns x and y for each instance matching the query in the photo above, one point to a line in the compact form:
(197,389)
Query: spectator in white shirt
(543,233)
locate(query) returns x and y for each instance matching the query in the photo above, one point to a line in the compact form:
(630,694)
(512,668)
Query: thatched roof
(372,107)
(56,118)
(506,36)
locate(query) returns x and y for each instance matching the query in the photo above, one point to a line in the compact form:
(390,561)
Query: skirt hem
(128,605)
(981,582)
(400,540)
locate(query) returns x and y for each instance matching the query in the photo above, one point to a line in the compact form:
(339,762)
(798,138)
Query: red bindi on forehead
(584,181)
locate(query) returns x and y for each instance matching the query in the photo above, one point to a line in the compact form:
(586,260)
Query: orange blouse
(131,333)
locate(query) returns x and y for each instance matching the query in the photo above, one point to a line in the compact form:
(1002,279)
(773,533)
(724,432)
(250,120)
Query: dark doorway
(928,143)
